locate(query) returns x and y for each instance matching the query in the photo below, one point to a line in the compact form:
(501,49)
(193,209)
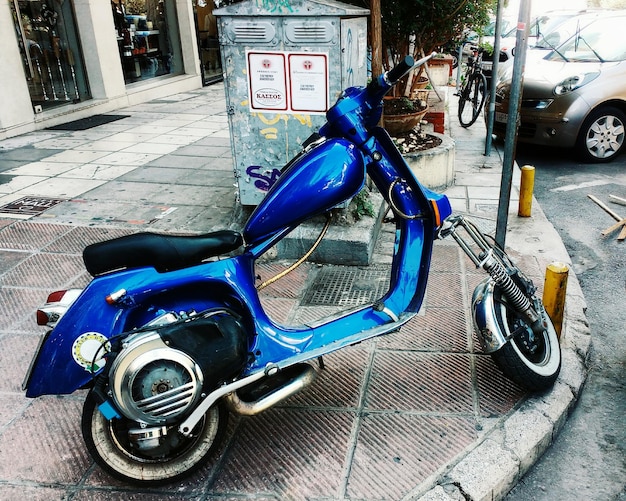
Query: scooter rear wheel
(176,457)
(532,361)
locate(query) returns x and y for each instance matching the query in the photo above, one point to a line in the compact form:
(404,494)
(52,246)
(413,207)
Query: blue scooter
(169,338)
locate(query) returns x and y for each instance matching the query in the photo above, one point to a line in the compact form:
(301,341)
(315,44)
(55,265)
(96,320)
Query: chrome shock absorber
(512,292)
(485,258)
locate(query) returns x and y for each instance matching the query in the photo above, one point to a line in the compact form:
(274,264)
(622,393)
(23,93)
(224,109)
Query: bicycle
(473,89)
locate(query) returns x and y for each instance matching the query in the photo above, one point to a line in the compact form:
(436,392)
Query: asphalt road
(587,461)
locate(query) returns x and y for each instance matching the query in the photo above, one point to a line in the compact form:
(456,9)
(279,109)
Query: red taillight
(42,318)
(56,297)
(57,304)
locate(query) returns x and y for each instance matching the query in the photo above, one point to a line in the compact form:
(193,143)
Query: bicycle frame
(473,89)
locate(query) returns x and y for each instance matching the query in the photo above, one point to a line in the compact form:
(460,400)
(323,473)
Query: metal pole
(515,100)
(458,68)
(494,72)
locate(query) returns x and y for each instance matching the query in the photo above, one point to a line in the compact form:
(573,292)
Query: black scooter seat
(163,252)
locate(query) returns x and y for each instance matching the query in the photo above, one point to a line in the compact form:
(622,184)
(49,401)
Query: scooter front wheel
(174,457)
(532,361)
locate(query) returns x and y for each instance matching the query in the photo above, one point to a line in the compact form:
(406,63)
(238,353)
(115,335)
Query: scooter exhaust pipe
(271,390)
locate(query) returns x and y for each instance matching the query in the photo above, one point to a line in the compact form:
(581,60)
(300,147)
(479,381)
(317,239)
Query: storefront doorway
(208,43)
(51,52)
(148,38)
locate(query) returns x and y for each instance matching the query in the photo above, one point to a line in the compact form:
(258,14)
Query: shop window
(148,38)
(51,52)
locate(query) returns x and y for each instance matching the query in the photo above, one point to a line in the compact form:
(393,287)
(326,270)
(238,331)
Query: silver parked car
(547,32)
(542,33)
(576,95)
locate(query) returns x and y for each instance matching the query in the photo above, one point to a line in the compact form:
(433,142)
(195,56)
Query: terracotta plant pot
(402,123)
(396,123)
(422,82)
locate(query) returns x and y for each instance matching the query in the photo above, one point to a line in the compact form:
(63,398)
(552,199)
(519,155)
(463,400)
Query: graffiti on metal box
(263,181)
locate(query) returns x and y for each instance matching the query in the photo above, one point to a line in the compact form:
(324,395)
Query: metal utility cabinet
(285,63)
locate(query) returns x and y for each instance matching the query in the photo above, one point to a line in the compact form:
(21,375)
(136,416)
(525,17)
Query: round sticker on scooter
(89,350)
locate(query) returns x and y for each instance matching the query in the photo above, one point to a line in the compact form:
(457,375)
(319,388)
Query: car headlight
(574,82)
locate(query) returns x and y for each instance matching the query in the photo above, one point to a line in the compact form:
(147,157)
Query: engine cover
(153,383)
(159,374)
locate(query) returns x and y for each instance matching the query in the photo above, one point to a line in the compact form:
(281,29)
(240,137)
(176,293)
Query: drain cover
(30,206)
(347,286)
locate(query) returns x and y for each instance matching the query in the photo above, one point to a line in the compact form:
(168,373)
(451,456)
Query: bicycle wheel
(472,99)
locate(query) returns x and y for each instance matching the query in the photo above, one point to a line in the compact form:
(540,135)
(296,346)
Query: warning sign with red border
(288,82)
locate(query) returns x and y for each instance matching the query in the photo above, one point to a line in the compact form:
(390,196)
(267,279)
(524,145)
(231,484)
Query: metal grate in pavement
(347,286)
(30,206)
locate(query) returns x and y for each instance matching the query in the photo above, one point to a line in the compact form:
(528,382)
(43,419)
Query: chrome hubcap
(605,137)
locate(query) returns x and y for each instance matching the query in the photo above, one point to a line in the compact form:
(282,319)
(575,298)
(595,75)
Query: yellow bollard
(554,290)
(527,185)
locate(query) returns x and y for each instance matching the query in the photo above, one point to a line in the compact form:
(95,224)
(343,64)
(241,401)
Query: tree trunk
(377,42)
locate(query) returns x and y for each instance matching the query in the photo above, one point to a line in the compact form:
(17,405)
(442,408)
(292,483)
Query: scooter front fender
(484,316)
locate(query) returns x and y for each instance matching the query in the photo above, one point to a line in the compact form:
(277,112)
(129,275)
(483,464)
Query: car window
(490,29)
(542,25)
(557,34)
(602,40)
(545,24)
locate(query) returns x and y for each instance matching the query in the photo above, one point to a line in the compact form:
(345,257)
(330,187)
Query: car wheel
(602,137)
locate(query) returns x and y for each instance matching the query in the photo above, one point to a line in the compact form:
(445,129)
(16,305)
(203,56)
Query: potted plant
(419,27)
(403,113)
